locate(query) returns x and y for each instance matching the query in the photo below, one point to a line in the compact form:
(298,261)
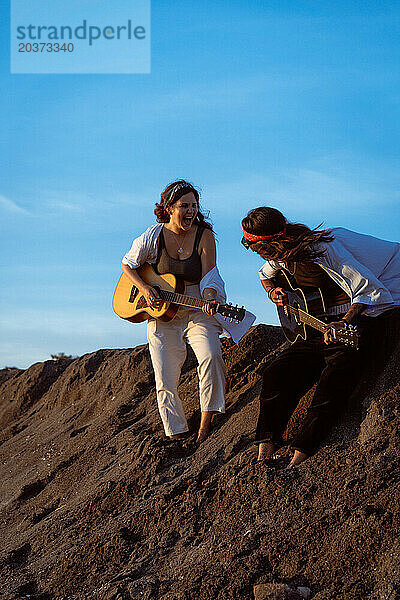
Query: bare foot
(266,450)
(205,426)
(298,457)
(202,434)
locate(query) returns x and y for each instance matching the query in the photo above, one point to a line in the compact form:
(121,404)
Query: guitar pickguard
(141,303)
(290,315)
(290,322)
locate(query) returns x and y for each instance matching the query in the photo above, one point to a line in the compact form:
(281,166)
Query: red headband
(258,238)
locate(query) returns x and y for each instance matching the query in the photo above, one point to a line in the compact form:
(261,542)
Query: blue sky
(287,104)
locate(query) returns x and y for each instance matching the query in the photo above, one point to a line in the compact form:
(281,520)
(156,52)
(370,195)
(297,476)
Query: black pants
(335,368)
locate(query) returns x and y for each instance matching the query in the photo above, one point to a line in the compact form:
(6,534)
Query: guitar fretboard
(307,318)
(181,299)
(231,312)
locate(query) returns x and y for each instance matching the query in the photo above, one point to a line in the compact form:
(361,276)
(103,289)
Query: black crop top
(188,269)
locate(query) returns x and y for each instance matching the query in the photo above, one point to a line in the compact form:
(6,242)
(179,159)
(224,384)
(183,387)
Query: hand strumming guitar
(277,295)
(152,297)
(150,294)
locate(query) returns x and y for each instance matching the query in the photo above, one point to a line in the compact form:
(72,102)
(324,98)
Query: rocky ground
(95,504)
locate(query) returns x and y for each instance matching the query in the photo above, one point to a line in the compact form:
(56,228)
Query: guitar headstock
(348,336)
(234,313)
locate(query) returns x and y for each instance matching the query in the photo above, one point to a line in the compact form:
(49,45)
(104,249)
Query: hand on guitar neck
(331,328)
(211,306)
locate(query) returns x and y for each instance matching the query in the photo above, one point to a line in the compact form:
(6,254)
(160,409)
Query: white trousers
(168,352)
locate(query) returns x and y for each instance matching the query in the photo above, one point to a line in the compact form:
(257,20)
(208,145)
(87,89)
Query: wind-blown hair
(289,242)
(172,193)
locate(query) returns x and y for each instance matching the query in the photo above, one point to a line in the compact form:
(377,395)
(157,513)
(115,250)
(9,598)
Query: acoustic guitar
(131,305)
(301,310)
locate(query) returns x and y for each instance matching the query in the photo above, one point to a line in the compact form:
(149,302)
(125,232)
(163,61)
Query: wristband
(269,292)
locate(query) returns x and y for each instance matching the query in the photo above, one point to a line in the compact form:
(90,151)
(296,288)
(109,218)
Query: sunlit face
(183,211)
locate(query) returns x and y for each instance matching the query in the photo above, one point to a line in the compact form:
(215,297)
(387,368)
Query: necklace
(180,248)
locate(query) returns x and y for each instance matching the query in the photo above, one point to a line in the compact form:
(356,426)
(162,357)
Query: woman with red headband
(182,243)
(359,277)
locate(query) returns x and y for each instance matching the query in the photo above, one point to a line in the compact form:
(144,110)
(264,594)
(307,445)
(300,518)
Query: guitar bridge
(133,294)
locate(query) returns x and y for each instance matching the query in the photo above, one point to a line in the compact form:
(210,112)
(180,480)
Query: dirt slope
(96,505)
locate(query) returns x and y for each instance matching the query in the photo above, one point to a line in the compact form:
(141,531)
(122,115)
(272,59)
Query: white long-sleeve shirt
(144,248)
(365,267)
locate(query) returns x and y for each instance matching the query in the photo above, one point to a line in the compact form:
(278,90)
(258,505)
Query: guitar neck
(228,311)
(307,318)
(181,299)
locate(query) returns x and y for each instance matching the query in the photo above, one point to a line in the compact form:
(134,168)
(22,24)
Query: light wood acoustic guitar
(131,305)
(300,310)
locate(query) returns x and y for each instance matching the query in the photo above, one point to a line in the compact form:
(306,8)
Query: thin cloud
(11,206)
(68,206)
(63,201)
(77,202)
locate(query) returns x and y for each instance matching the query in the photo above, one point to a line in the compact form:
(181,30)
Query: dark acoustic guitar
(302,309)
(131,305)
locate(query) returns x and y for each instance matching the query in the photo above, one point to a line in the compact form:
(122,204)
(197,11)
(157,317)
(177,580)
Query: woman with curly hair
(359,276)
(182,243)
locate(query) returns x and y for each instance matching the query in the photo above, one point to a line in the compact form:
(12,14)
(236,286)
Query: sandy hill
(96,505)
